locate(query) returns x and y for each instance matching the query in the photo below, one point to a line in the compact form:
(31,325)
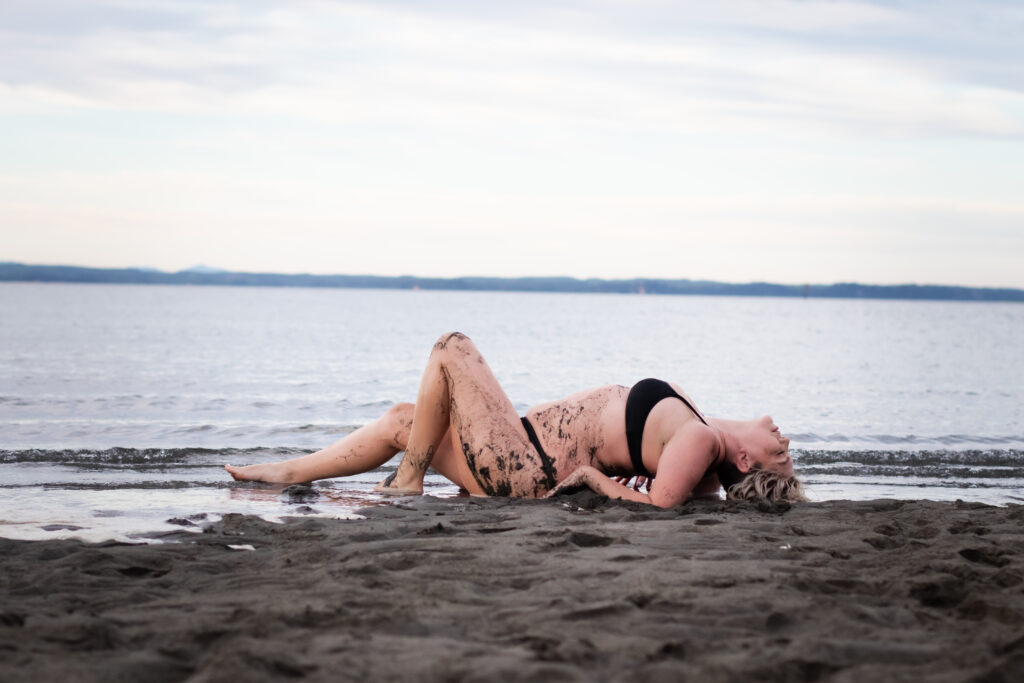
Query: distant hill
(203,269)
(202,275)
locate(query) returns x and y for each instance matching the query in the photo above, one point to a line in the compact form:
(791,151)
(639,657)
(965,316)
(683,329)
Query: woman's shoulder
(691,446)
(696,433)
(694,438)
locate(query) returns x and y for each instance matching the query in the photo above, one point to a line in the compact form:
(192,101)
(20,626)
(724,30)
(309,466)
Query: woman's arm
(595,480)
(684,460)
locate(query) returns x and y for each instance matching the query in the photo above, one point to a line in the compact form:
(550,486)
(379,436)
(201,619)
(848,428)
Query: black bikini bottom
(534,440)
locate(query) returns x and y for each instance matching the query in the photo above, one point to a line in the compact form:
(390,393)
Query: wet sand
(577,588)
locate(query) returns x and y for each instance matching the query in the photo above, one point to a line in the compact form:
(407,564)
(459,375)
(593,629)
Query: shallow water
(119,403)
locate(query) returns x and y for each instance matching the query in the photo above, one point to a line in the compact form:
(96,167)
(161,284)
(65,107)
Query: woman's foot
(270,472)
(393,487)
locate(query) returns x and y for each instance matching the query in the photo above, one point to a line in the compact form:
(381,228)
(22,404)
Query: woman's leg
(459,392)
(365,449)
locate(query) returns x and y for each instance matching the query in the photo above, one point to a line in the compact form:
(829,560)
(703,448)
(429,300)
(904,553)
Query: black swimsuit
(534,440)
(642,398)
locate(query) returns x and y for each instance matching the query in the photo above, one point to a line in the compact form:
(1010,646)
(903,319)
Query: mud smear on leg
(482,478)
(494,479)
(407,486)
(401,437)
(442,344)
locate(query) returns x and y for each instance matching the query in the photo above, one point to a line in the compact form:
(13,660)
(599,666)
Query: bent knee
(394,425)
(455,342)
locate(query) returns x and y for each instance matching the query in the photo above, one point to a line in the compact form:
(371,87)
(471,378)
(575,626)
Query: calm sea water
(119,404)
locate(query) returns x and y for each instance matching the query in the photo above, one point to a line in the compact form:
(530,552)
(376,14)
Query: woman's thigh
(449,463)
(486,429)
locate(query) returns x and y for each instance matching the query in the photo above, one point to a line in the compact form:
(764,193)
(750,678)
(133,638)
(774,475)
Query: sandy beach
(577,588)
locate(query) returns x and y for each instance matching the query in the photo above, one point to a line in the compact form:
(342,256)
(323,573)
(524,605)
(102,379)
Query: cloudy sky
(739,140)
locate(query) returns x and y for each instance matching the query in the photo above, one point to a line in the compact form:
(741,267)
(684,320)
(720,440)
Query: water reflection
(333,496)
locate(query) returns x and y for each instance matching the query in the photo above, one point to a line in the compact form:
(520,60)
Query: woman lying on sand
(466,428)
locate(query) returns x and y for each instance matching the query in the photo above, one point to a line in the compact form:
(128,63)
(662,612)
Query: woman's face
(769,448)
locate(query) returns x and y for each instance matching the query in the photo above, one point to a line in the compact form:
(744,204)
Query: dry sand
(576,588)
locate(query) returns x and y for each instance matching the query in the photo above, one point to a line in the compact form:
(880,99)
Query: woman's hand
(574,482)
(640,481)
(595,480)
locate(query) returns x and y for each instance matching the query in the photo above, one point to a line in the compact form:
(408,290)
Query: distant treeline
(27,273)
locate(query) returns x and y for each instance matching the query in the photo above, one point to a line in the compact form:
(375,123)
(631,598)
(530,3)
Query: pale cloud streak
(372,58)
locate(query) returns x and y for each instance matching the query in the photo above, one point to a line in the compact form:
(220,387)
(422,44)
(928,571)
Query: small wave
(993,457)
(263,404)
(954,439)
(908,439)
(148,485)
(313,429)
(379,403)
(141,456)
(991,464)
(946,484)
(925,472)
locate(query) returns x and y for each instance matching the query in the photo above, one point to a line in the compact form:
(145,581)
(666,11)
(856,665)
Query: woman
(466,428)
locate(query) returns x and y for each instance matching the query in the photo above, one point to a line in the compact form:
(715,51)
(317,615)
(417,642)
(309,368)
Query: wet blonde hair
(766,485)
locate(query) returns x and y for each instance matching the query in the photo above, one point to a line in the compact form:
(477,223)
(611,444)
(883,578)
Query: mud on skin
(497,462)
(562,432)
(402,435)
(498,484)
(442,344)
(498,476)
(421,463)
(505,463)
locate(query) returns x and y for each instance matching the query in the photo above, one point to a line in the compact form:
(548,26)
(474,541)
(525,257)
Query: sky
(738,141)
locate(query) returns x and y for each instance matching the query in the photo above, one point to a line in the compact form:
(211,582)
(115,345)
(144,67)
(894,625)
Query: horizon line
(203,270)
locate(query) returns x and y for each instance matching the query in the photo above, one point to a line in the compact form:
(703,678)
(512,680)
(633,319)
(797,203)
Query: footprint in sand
(585,540)
(968,527)
(942,593)
(885,542)
(991,556)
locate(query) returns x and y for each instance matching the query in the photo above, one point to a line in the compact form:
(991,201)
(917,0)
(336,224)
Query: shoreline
(575,588)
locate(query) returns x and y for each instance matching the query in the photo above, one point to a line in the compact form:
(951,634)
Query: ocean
(120,403)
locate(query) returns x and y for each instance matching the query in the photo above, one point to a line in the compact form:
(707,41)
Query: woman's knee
(394,425)
(455,344)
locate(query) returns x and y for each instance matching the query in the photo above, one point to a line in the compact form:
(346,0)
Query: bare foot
(390,487)
(268,472)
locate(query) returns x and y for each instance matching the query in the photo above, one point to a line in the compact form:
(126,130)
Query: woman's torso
(589,428)
(586,428)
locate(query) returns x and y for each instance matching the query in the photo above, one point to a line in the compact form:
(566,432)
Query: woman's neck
(729,434)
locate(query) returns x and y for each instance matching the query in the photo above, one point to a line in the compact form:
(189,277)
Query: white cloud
(329,60)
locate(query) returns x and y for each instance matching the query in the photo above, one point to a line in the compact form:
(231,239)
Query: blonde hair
(766,485)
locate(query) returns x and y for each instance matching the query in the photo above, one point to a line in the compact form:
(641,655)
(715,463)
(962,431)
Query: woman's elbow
(666,501)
